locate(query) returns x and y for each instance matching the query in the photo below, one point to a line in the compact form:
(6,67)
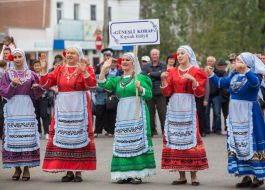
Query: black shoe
(124,181)
(246,182)
(68,178)
(78,179)
(203,135)
(195,183)
(256,183)
(16,177)
(179,182)
(218,132)
(136,181)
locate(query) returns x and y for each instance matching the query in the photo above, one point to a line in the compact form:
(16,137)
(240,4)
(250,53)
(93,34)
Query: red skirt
(193,159)
(60,159)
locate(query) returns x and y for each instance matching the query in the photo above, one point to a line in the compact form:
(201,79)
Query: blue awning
(58,45)
(127,48)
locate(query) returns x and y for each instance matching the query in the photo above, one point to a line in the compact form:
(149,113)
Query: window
(93,12)
(109,13)
(76,11)
(59,11)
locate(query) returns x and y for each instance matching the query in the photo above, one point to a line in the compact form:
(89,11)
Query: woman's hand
(83,65)
(164,75)
(209,70)
(241,67)
(189,77)
(106,65)
(54,89)
(16,81)
(105,69)
(138,86)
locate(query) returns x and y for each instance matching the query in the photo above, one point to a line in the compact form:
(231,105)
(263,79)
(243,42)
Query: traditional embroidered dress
(133,155)
(246,128)
(21,138)
(183,149)
(71,144)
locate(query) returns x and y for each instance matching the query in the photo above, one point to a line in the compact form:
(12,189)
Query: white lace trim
(132,174)
(102,81)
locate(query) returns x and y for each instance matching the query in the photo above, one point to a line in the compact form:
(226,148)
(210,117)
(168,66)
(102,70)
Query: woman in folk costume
(183,148)
(71,144)
(21,146)
(133,155)
(246,128)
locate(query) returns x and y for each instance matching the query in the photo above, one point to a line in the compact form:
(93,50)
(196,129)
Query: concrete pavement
(216,177)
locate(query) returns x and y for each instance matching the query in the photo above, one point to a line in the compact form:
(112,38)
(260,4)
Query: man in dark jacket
(224,93)
(214,102)
(158,101)
(106,117)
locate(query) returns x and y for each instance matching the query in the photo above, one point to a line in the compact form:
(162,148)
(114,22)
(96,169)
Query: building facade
(52,25)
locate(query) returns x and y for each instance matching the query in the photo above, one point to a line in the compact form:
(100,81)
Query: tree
(211,27)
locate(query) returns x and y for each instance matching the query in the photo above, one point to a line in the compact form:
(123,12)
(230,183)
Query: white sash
(240,128)
(71,120)
(180,124)
(130,134)
(21,126)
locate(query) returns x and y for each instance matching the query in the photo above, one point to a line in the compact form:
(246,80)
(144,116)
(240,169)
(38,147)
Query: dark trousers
(201,111)
(157,103)
(100,118)
(111,120)
(214,102)
(225,110)
(105,119)
(41,111)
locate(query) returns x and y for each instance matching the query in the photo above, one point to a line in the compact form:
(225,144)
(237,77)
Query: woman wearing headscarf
(246,128)
(133,155)
(183,149)
(21,138)
(71,144)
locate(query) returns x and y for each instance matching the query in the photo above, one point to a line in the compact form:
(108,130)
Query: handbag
(112,103)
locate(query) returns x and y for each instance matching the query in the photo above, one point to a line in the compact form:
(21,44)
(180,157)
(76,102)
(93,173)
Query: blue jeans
(215,103)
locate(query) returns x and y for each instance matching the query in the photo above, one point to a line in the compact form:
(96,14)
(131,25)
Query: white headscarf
(131,55)
(21,51)
(79,51)
(253,62)
(191,54)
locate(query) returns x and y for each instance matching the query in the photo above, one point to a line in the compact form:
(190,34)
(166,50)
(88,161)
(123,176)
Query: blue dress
(246,127)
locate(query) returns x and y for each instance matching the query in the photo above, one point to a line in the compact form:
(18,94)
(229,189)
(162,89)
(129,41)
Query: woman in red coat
(183,148)
(71,144)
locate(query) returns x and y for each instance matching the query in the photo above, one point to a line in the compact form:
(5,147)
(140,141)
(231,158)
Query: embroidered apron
(180,124)
(240,128)
(21,126)
(130,134)
(71,120)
